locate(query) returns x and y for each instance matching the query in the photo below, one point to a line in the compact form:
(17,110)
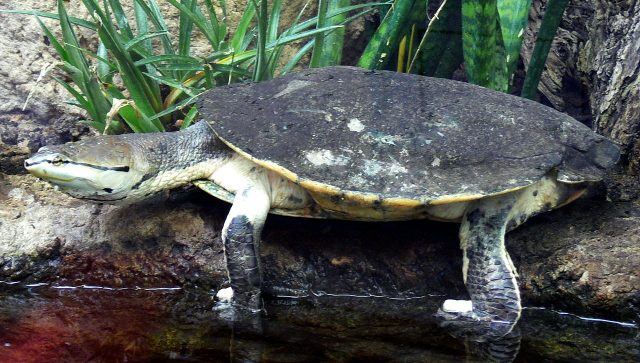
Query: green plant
(144,77)
(485,35)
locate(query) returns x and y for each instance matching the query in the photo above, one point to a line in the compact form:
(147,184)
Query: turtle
(348,143)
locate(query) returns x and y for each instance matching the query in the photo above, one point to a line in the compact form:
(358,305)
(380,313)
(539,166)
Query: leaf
(514,15)
(378,51)
(153,12)
(548,29)
(75,21)
(482,56)
(188,119)
(141,38)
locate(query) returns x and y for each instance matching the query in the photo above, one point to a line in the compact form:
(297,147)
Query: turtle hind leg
(489,275)
(241,239)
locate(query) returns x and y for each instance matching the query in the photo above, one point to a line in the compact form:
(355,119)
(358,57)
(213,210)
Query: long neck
(177,158)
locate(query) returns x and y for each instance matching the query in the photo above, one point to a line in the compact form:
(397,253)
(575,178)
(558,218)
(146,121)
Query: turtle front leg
(488,273)
(241,239)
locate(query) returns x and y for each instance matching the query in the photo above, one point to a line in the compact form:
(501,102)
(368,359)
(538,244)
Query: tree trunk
(593,73)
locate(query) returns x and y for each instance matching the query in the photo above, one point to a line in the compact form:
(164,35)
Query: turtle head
(103,169)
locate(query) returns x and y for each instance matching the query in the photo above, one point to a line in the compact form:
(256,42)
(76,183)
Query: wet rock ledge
(584,258)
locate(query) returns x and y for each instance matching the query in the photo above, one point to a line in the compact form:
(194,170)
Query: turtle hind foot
(460,320)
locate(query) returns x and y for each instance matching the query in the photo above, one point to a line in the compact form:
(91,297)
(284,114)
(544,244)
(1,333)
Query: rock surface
(569,259)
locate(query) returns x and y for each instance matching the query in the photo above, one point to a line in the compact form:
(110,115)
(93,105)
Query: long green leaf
(121,19)
(142,23)
(75,21)
(238,40)
(103,67)
(548,29)
(293,61)
(140,39)
(169,58)
(141,91)
(186,27)
(311,22)
(83,78)
(439,52)
(482,56)
(514,15)
(153,12)
(188,119)
(198,20)
(172,83)
(54,41)
(334,40)
(378,51)
(219,28)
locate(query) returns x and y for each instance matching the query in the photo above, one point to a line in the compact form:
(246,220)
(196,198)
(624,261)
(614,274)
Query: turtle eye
(57,160)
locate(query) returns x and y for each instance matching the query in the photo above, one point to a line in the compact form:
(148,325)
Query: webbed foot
(459,319)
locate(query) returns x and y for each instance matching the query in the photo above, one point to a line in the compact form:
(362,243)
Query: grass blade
(75,21)
(153,12)
(186,27)
(141,38)
(238,40)
(198,20)
(121,19)
(443,35)
(142,23)
(143,93)
(260,70)
(188,119)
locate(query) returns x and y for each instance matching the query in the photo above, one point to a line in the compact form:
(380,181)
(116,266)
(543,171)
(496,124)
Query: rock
(570,259)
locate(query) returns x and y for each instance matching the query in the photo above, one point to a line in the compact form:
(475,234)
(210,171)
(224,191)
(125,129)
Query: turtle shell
(400,137)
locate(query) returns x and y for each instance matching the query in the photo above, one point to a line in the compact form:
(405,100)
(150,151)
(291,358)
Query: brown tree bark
(593,73)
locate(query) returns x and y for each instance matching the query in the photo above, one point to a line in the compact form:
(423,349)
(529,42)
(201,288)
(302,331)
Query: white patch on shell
(355,125)
(371,137)
(358,180)
(375,167)
(293,86)
(326,157)
(435,162)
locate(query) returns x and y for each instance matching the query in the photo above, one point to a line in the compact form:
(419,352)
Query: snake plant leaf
(513,15)
(327,49)
(440,52)
(378,51)
(480,44)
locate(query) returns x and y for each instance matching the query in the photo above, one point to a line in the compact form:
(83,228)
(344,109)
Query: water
(39,323)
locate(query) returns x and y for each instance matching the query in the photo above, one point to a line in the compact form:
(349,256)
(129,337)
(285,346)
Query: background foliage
(143,76)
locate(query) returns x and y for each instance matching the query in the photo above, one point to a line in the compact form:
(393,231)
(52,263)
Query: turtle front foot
(459,318)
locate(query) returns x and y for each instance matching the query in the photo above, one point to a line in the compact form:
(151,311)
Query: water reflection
(42,324)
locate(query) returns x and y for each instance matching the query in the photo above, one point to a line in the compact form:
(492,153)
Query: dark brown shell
(400,136)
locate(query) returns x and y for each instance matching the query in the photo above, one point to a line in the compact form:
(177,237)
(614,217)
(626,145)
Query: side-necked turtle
(347,143)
